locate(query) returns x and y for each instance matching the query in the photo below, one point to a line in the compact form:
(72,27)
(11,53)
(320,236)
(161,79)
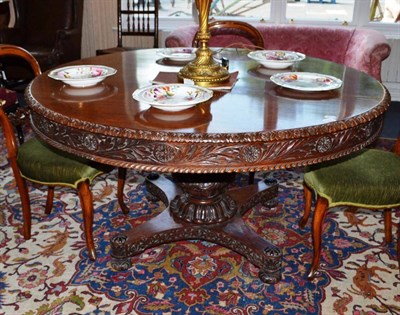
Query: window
(312,10)
(387,11)
(377,14)
(219,8)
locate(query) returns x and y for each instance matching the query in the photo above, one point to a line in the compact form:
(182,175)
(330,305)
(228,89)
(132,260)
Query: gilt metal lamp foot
(204,70)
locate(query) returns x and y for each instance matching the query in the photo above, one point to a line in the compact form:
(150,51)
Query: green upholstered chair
(37,162)
(366,179)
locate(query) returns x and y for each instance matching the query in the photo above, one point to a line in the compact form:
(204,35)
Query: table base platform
(203,207)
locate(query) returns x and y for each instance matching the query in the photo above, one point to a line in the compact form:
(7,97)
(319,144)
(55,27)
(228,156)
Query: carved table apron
(255,127)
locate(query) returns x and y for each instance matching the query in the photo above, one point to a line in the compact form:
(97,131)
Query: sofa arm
(182,36)
(366,51)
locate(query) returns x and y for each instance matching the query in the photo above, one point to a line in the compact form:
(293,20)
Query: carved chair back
(138,18)
(233,34)
(16,114)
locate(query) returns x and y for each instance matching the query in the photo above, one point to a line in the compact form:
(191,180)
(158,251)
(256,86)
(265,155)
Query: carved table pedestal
(202,207)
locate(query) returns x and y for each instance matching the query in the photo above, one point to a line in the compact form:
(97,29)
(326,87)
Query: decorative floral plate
(172,97)
(306,81)
(276,59)
(178,53)
(82,76)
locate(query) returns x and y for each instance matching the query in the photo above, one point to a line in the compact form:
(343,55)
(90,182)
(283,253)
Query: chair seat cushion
(369,178)
(45,165)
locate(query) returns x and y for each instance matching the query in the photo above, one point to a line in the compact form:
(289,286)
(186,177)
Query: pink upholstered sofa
(359,48)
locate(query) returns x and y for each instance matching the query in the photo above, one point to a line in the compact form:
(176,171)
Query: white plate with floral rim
(172,97)
(276,59)
(83,75)
(306,81)
(178,53)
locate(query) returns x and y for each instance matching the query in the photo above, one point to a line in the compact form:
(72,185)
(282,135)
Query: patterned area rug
(52,274)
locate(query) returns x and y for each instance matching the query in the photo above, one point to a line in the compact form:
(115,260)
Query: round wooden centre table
(255,126)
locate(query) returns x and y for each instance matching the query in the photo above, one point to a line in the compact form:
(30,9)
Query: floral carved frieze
(207,156)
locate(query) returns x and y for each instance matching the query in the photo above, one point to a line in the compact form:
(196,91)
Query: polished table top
(255,126)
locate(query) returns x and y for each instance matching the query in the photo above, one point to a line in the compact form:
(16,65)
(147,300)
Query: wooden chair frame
(234,28)
(320,212)
(83,188)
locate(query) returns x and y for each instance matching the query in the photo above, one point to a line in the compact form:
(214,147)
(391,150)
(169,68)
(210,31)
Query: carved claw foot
(121,264)
(119,253)
(270,181)
(270,278)
(272,203)
(271,271)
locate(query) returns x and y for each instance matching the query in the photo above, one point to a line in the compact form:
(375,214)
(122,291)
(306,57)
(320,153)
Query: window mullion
(360,13)
(278,11)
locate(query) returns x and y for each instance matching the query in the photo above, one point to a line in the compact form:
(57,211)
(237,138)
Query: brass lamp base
(204,70)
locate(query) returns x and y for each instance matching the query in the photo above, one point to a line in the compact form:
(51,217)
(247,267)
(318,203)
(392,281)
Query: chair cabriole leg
(307,206)
(24,195)
(398,244)
(26,206)
(120,189)
(86,198)
(251,177)
(49,200)
(388,225)
(318,220)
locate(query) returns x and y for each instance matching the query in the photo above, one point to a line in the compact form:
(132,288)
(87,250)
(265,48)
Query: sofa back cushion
(359,48)
(326,43)
(234,41)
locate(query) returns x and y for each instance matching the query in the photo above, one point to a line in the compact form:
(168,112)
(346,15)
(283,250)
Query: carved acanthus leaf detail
(206,156)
